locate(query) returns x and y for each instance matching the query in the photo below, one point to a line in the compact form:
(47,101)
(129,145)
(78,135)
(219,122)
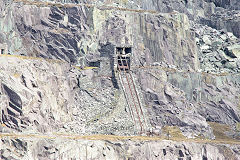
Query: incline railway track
(131,95)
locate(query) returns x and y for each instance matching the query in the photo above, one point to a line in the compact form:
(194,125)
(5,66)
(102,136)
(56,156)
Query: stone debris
(219,50)
(100,149)
(58,75)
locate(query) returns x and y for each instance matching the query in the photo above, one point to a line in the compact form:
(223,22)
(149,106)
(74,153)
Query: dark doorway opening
(123,58)
(128,50)
(94,64)
(2,51)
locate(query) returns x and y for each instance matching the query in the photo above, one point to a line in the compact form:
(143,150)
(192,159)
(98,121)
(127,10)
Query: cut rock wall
(100,149)
(59,76)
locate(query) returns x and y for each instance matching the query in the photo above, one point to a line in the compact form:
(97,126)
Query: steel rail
(134,101)
(134,87)
(124,90)
(125,73)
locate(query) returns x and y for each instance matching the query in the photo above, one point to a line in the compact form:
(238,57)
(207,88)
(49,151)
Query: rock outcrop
(58,75)
(98,149)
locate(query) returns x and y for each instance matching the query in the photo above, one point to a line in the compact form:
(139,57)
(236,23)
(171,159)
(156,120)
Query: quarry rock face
(85,149)
(60,73)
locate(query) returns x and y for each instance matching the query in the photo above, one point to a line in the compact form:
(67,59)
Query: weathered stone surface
(231,4)
(99,149)
(61,99)
(219,56)
(186,76)
(233,51)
